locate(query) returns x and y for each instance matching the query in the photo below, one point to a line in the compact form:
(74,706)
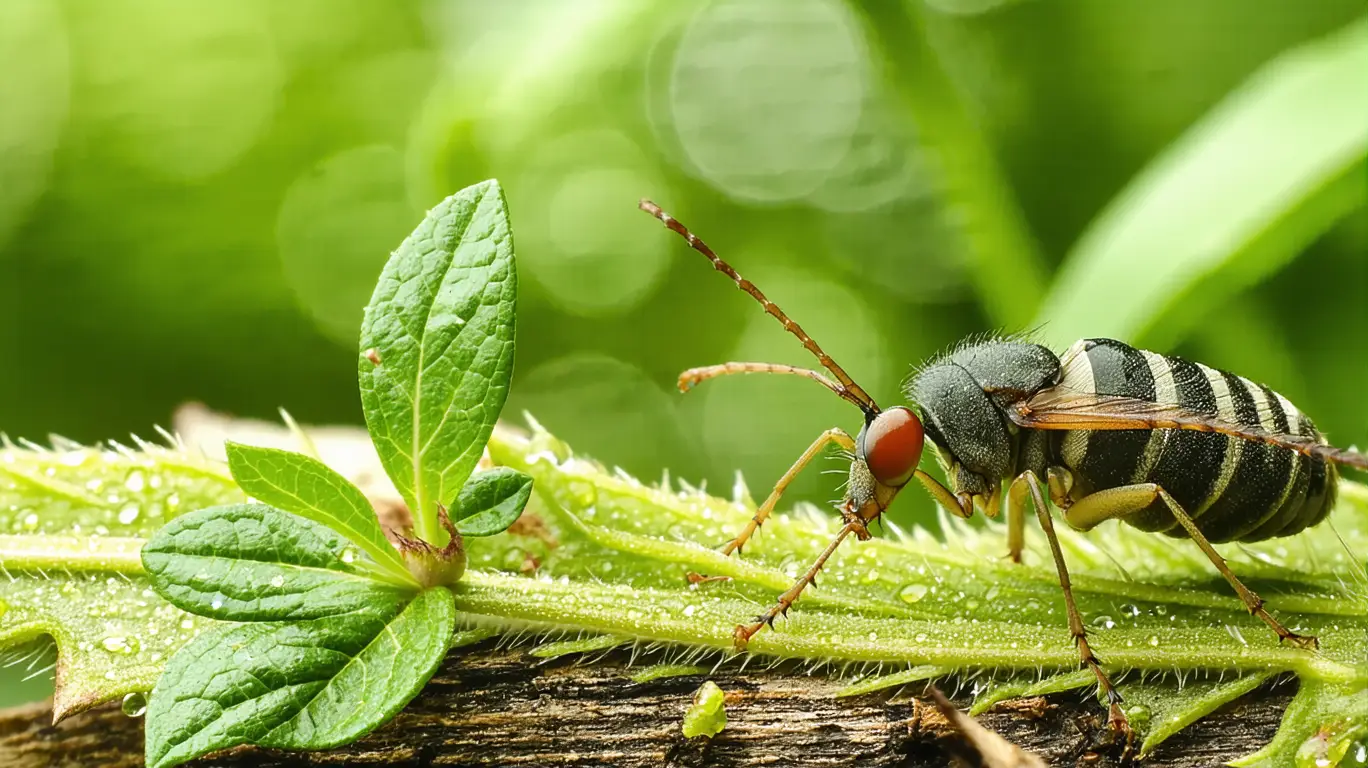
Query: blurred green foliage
(196,198)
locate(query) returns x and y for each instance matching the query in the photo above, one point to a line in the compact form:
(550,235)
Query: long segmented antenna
(852,391)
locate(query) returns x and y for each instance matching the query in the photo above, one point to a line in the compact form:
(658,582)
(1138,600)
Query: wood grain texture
(492,707)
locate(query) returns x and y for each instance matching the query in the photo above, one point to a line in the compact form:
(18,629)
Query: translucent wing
(1062,409)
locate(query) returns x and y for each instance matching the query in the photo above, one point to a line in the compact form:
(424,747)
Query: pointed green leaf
(437,349)
(251,562)
(298,685)
(1160,708)
(491,502)
(311,489)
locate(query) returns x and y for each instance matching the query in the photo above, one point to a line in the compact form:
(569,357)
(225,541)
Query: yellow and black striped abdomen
(1235,489)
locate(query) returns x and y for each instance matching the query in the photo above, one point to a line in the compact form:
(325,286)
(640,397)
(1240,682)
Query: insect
(1105,431)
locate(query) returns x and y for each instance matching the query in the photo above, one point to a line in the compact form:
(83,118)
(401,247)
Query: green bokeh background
(196,198)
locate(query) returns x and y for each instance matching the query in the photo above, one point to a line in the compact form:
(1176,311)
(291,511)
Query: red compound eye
(892,445)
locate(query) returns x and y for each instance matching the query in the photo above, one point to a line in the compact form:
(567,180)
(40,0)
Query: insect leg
(958,504)
(1016,522)
(1253,602)
(1119,502)
(834,435)
(1016,498)
(744,632)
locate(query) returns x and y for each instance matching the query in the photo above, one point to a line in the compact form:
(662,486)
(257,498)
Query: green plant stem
(1007,269)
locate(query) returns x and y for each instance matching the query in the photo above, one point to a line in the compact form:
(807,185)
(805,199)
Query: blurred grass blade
(1241,194)
(1006,267)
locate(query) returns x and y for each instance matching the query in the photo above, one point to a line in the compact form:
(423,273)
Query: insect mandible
(1105,431)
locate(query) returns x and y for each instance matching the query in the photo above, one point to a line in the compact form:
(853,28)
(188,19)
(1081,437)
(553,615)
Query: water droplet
(128,514)
(216,604)
(136,481)
(1153,640)
(912,593)
(120,645)
(277,581)
(348,555)
(1161,610)
(134,704)
(1104,622)
(1130,609)
(921,637)
(31,521)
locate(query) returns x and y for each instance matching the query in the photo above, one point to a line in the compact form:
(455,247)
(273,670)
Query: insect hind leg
(1126,500)
(1027,483)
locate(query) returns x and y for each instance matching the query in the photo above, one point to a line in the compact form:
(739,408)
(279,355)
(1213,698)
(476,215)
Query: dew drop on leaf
(134,704)
(912,593)
(1104,622)
(1130,609)
(31,521)
(136,481)
(277,581)
(128,514)
(122,645)
(348,555)
(1153,640)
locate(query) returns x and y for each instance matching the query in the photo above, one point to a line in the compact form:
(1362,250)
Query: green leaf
(707,715)
(441,326)
(1243,192)
(251,562)
(491,502)
(1159,709)
(309,488)
(70,519)
(298,685)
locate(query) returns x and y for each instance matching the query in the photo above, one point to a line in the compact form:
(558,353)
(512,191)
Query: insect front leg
(744,632)
(1027,483)
(833,435)
(1127,500)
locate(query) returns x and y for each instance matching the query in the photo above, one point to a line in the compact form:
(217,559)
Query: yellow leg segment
(834,435)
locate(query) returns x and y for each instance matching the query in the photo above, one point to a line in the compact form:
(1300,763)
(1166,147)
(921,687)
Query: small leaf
(309,488)
(298,685)
(1244,191)
(441,326)
(1159,709)
(707,715)
(251,562)
(491,502)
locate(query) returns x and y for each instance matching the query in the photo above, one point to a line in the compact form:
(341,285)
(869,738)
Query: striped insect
(1105,431)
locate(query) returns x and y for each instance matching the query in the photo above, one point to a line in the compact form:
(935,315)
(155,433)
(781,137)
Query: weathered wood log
(494,707)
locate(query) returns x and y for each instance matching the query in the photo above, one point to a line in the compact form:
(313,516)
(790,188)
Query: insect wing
(1059,408)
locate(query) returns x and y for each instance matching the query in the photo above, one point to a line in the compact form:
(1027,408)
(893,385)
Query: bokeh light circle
(590,259)
(181,89)
(336,228)
(766,95)
(604,407)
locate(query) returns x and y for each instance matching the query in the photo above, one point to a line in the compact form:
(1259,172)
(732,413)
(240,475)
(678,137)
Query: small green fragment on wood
(707,715)
(662,671)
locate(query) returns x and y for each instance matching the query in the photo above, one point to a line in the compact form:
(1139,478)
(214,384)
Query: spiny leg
(744,632)
(1119,502)
(1016,497)
(836,435)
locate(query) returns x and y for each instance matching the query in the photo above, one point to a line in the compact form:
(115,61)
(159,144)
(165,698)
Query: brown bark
(491,707)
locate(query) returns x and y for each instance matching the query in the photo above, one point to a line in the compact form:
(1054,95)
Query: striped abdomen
(1235,489)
